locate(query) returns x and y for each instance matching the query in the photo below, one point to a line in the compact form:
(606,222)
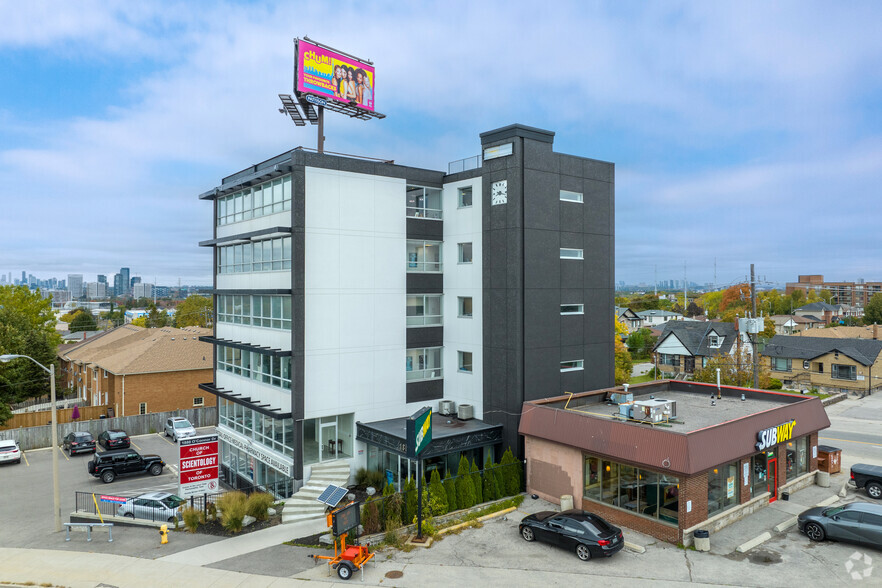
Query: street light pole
(56,494)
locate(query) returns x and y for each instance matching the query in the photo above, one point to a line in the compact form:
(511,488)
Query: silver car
(179,428)
(155,506)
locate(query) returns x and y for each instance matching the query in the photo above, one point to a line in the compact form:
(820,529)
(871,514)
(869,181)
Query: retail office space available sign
(323,72)
(198,466)
(774,435)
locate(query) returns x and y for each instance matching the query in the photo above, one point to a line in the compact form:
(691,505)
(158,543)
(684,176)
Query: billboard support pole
(320,143)
(419,499)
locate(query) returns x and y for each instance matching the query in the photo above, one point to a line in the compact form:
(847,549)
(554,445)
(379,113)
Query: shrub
(232,507)
(465,492)
(775,384)
(388,490)
(438,494)
(257,505)
(476,483)
(361,476)
(392,510)
(450,489)
(370,517)
(498,480)
(211,511)
(192,518)
(490,492)
(365,477)
(511,473)
(410,499)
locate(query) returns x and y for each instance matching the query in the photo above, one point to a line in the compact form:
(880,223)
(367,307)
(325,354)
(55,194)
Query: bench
(88,528)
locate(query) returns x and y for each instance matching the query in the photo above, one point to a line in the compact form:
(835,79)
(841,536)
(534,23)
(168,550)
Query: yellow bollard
(163,534)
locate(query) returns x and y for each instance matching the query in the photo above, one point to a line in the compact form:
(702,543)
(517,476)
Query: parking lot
(27,488)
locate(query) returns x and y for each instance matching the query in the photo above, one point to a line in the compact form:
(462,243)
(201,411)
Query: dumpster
(829,459)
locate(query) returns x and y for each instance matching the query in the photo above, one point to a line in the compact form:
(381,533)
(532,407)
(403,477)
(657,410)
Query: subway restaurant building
(669,457)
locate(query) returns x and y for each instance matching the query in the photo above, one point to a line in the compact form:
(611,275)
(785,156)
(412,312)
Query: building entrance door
(773,480)
(689,364)
(328,441)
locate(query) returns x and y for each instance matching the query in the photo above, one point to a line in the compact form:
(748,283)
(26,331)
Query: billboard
(334,76)
(198,465)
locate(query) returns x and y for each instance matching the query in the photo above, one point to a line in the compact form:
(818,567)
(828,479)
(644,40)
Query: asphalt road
(26,508)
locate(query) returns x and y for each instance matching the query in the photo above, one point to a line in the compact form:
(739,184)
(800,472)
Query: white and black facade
(350,293)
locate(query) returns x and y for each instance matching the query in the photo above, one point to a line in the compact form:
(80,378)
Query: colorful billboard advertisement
(334,76)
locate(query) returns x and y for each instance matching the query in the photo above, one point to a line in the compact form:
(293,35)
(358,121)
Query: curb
(828,501)
(492,515)
(744,547)
(785,525)
(634,547)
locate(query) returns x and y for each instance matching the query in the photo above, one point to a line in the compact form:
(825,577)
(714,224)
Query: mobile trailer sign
(198,466)
(323,72)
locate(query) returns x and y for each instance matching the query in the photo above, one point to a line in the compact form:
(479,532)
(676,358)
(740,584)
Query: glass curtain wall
(645,492)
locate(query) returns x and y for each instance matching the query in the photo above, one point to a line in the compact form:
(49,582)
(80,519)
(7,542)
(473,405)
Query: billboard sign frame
(198,465)
(335,76)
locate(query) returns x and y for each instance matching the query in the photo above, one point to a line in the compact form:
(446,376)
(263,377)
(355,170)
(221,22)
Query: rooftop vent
(465,412)
(447,407)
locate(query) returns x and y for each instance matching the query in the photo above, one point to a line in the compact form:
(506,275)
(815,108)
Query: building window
(571,365)
(464,197)
(105,373)
(424,310)
(642,492)
(273,312)
(572,309)
(571,253)
(759,467)
(142,408)
(424,256)
(267,198)
(714,341)
(424,364)
(568,196)
(797,457)
(668,359)
(275,371)
(843,372)
(465,306)
(722,488)
(424,202)
(465,361)
(465,253)
(277,434)
(806,364)
(781,364)
(267,255)
(199,401)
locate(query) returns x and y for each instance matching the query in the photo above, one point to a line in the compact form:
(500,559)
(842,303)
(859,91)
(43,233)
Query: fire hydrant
(163,534)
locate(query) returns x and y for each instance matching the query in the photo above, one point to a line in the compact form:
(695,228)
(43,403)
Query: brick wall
(163,391)
(638,523)
(693,488)
(553,470)
(745,488)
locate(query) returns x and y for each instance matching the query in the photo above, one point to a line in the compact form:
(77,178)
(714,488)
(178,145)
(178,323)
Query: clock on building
(499,192)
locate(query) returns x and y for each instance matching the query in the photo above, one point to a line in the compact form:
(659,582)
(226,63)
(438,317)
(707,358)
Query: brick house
(826,363)
(711,464)
(683,345)
(629,319)
(133,370)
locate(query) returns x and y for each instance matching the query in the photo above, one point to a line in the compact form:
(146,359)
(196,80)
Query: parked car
(114,439)
(858,522)
(869,477)
(179,428)
(123,462)
(79,442)
(154,506)
(9,451)
(574,530)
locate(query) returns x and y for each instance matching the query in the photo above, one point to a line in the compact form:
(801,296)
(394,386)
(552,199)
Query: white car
(9,451)
(179,428)
(155,506)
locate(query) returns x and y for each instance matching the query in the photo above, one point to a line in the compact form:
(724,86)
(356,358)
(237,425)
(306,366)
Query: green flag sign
(419,431)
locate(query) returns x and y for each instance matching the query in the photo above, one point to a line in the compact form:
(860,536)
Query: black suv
(869,477)
(123,462)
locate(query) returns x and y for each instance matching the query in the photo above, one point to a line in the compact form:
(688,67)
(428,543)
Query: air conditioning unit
(447,408)
(465,412)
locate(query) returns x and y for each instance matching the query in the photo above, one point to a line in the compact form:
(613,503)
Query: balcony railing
(419,212)
(466,164)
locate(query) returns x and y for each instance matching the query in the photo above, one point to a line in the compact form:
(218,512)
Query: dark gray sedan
(858,522)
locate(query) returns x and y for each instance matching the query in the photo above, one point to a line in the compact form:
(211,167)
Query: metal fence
(147,509)
(143,424)
(65,399)
(466,164)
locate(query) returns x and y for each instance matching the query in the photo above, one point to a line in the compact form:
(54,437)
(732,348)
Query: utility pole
(755,335)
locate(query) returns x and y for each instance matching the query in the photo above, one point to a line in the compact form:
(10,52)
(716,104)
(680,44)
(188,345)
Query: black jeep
(123,462)
(869,477)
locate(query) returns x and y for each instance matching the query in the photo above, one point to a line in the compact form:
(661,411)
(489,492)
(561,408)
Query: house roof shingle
(863,351)
(694,336)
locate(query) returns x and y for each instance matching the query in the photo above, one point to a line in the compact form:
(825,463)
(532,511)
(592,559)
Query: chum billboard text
(326,73)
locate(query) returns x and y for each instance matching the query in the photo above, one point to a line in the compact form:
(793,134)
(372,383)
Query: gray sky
(742,132)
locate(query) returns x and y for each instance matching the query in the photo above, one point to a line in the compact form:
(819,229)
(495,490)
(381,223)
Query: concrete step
(288,519)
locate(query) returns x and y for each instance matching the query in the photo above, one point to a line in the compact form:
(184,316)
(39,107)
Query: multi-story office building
(844,293)
(349,293)
(75,285)
(142,289)
(125,281)
(96,290)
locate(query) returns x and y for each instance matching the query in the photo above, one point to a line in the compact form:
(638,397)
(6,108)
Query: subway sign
(774,435)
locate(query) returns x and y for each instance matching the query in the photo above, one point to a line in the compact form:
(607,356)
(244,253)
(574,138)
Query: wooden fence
(44,417)
(142,424)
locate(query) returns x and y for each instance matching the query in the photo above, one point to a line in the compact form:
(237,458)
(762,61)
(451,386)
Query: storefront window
(759,469)
(802,452)
(628,488)
(642,492)
(592,478)
(647,493)
(722,488)
(610,483)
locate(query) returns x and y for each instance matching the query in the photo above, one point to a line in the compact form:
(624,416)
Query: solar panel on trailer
(337,496)
(326,494)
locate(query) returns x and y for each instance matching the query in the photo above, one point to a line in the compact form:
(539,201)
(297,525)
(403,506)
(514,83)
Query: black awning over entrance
(449,434)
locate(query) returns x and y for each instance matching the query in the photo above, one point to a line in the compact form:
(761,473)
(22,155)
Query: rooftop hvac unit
(447,408)
(465,412)
(655,410)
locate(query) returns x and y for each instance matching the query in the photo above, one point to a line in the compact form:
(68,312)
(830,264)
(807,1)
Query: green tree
(490,491)
(27,327)
(438,494)
(623,363)
(410,499)
(476,483)
(769,328)
(194,311)
(640,343)
(873,310)
(510,473)
(450,489)
(735,370)
(82,321)
(465,492)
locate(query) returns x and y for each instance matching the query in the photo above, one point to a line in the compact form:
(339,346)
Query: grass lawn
(796,392)
(640,379)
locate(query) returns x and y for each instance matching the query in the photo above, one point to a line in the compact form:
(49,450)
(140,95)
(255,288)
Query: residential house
(654,318)
(629,318)
(825,363)
(683,345)
(792,324)
(820,310)
(133,370)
